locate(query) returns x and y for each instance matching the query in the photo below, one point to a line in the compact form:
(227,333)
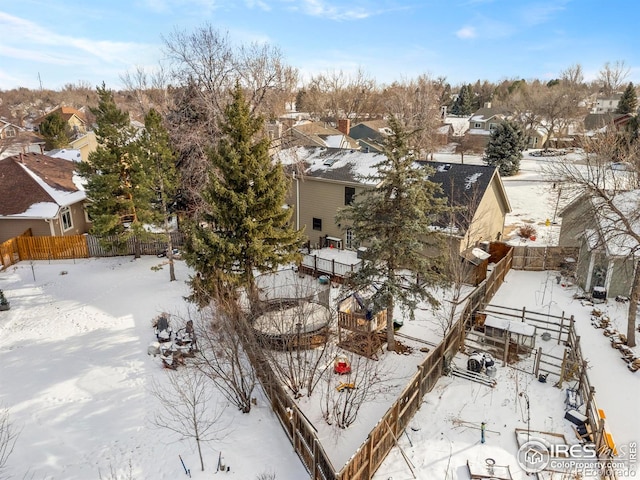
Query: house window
(349,193)
(65,216)
(492,126)
(348,237)
(477,125)
(317,224)
(10,132)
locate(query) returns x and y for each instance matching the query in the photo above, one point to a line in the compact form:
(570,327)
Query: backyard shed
(520,333)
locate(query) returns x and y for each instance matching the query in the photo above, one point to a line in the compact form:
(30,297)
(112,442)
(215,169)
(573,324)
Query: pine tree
(505,147)
(55,131)
(463,104)
(394,222)
(628,101)
(158,182)
(245,227)
(112,173)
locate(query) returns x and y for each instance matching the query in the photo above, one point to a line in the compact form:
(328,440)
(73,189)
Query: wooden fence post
(562,369)
(536,365)
(315,462)
(592,392)
(506,348)
(369,457)
(561,328)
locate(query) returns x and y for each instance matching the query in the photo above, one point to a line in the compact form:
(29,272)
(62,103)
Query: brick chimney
(344,125)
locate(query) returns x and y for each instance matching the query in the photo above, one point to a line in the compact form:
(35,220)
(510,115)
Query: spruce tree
(394,220)
(55,131)
(245,227)
(628,101)
(505,147)
(112,174)
(158,182)
(463,104)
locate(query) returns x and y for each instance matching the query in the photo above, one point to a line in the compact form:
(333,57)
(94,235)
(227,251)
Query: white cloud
(466,32)
(159,6)
(538,13)
(35,39)
(259,4)
(327,9)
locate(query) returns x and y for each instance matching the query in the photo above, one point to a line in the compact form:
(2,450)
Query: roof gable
(31,178)
(65,112)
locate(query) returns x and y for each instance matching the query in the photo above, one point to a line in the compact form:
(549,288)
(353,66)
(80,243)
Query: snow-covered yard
(77,379)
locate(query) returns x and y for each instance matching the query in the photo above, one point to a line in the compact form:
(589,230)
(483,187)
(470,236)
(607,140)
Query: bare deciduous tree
(296,361)
(609,194)
(206,66)
(550,108)
(224,338)
(416,106)
(187,410)
(343,396)
(148,89)
(8,437)
(612,76)
(573,75)
(335,94)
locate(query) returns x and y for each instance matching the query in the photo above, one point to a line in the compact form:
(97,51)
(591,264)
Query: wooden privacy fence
(367,459)
(27,247)
(571,366)
(153,245)
(542,258)
(9,253)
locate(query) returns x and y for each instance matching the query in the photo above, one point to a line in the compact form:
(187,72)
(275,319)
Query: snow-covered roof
(353,166)
(459,124)
(617,240)
(520,328)
(36,186)
(66,153)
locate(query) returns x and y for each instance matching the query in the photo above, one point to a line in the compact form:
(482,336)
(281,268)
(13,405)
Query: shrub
(527,231)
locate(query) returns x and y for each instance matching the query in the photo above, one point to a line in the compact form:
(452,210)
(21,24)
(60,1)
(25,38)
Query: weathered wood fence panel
(27,247)
(542,258)
(368,458)
(154,246)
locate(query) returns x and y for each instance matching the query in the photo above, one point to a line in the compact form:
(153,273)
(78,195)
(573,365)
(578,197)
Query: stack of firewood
(600,321)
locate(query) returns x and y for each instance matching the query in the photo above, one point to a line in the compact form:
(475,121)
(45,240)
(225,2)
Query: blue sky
(62,42)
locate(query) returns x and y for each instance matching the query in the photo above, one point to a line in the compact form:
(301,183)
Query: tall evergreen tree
(113,174)
(464,103)
(159,180)
(55,131)
(505,147)
(393,221)
(245,227)
(628,101)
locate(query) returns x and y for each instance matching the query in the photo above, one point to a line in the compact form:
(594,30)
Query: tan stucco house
(74,118)
(325,180)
